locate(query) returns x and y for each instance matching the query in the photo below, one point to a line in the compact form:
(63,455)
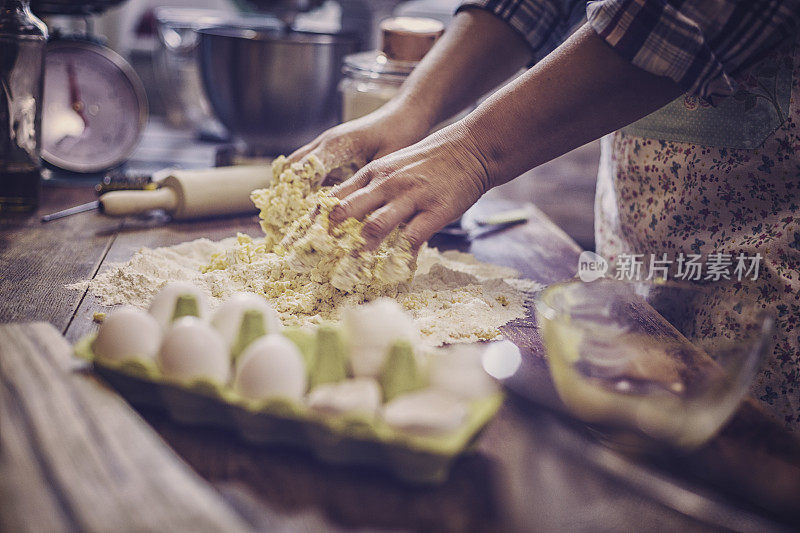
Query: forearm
(477,52)
(580,92)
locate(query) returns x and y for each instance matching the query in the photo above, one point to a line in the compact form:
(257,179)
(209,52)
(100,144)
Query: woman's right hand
(347,147)
(477,52)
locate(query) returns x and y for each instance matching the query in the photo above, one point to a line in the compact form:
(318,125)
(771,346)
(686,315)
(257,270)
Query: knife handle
(122,203)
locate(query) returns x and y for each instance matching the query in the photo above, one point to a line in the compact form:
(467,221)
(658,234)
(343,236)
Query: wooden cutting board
(75,457)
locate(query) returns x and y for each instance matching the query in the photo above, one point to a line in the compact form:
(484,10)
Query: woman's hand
(425,186)
(477,52)
(349,146)
(580,92)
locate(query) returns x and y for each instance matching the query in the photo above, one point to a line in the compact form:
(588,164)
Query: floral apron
(696,179)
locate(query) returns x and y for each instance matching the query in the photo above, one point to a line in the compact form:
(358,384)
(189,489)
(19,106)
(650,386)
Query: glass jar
(370,80)
(23,38)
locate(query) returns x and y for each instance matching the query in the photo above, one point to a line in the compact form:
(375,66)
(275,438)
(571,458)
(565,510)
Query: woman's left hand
(424,186)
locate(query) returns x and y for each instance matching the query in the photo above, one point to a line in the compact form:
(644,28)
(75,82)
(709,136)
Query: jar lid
(409,38)
(375,64)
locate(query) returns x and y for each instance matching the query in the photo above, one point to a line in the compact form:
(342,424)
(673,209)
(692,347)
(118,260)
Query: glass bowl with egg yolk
(652,364)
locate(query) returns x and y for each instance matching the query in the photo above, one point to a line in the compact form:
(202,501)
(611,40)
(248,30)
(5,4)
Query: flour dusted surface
(309,270)
(453,297)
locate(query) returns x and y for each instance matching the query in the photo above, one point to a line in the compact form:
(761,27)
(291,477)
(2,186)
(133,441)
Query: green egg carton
(351,439)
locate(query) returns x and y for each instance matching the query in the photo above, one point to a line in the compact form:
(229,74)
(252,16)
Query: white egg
(162,306)
(458,370)
(271,367)
(350,395)
(425,412)
(192,349)
(228,317)
(371,328)
(127,333)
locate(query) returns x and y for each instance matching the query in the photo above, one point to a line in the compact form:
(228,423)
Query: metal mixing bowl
(175,64)
(272,87)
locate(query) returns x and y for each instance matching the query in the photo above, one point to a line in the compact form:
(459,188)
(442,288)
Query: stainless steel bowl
(175,64)
(272,87)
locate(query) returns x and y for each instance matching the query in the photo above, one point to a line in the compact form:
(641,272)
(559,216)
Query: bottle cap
(409,38)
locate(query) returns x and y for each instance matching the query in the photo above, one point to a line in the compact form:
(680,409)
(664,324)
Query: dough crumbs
(308,272)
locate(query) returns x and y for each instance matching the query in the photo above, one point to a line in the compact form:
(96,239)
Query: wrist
(410,116)
(495,146)
(471,155)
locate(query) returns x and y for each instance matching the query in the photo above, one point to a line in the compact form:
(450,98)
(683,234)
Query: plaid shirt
(700,44)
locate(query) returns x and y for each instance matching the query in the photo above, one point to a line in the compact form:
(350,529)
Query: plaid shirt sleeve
(700,44)
(544,24)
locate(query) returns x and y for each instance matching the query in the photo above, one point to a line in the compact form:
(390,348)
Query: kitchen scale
(95,109)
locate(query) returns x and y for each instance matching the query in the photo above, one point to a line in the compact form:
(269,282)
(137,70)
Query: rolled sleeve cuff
(537,21)
(657,38)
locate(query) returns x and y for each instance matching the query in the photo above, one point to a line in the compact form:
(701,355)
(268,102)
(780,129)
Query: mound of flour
(309,271)
(453,297)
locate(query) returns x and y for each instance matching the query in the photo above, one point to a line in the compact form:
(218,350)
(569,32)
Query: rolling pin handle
(122,203)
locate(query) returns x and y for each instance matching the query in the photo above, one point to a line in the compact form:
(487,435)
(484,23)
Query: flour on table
(453,297)
(309,271)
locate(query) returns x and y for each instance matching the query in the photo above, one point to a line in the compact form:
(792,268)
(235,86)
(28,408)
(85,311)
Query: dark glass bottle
(22,42)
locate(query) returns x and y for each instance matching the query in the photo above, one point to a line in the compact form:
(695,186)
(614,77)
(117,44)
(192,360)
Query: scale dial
(95,107)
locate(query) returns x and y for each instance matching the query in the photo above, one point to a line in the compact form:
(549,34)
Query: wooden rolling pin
(193,193)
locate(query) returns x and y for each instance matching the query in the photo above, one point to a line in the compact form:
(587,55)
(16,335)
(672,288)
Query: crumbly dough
(294,216)
(308,271)
(291,195)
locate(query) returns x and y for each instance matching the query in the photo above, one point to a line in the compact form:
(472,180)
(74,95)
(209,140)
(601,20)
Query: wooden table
(534,469)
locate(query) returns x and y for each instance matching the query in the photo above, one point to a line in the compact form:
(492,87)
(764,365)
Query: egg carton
(351,439)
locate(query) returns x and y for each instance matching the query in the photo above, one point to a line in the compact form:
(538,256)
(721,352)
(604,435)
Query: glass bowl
(652,363)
